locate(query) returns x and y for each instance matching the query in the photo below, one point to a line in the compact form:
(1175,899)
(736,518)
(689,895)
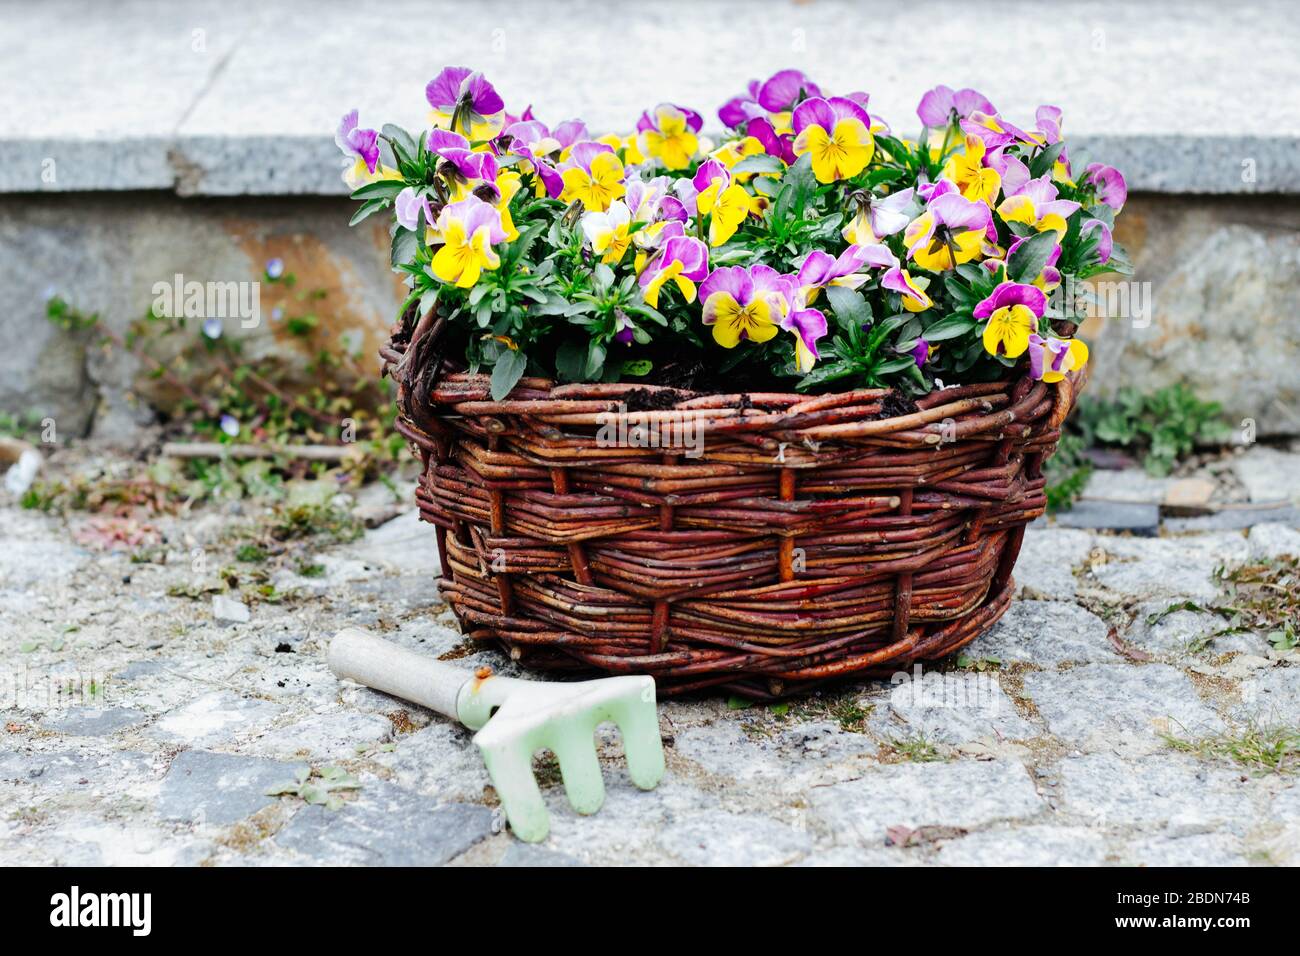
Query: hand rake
(517,718)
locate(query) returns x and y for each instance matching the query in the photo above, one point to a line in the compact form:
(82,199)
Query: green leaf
(760,163)
(402,140)
(1044,161)
(890,366)
(638,367)
(404,246)
(367,208)
(949,327)
(571,360)
(885,174)
(825,373)
(595,359)
(796,186)
(507,373)
(384,188)
(851,309)
(1028,261)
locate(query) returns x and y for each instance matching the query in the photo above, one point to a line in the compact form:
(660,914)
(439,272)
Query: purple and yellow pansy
(615,222)
(836,133)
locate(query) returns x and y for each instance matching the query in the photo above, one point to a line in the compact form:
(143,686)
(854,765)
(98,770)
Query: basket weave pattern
(810,539)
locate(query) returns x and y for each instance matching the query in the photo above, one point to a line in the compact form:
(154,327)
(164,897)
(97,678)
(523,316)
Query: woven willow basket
(811,539)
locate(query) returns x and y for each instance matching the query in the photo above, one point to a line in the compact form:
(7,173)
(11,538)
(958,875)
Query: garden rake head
(517,718)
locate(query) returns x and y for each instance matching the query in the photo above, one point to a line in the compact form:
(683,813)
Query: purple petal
(672,208)
(1012,293)
(1112,189)
(474,213)
(550,178)
(346,125)
(570,132)
(1049,123)
(733,280)
(709,171)
(525,132)
(959,213)
(776,145)
(484,98)
(814,112)
(809,325)
(879,257)
(1036,344)
(444,89)
(440,139)
(1106,242)
(844,108)
(408,205)
(969,101)
(783,90)
(1014,173)
(936,106)
(817,269)
(921,352)
(581,155)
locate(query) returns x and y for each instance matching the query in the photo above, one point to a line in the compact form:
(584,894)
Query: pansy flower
(808,326)
(878,218)
(785,89)
(593,174)
(683,260)
(628,145)
(463,101)
(921,352)
(1012,311)
(539,147)
(820,269)
(609,232)
(625,330)
(724,202)
(1105,241)
(940,107)
(1050,359)
(1047,280)
(1051,125)
(1013,173)
(780,145)
(469,229)
(837,133)
(508,182)
(967,170)
(730,153)
(1035,204)
(409,204)
(668,133)
(996,131)
(952,227)
(361,147)
(468,167)
(896,278)
(1112,190)
(744,304)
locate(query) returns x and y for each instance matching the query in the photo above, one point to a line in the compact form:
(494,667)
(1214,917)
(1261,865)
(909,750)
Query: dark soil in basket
(653,400)
(893,405)
(691,375)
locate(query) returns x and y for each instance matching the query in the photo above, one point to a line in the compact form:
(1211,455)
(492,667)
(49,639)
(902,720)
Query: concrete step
(219,99)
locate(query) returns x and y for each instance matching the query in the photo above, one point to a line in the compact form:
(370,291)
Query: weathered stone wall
(105,252)
(1224,276)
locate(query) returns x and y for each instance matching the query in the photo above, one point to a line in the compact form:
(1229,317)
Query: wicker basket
(813,538)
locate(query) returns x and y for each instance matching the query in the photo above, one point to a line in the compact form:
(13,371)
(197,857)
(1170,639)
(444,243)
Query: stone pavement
(140,727)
